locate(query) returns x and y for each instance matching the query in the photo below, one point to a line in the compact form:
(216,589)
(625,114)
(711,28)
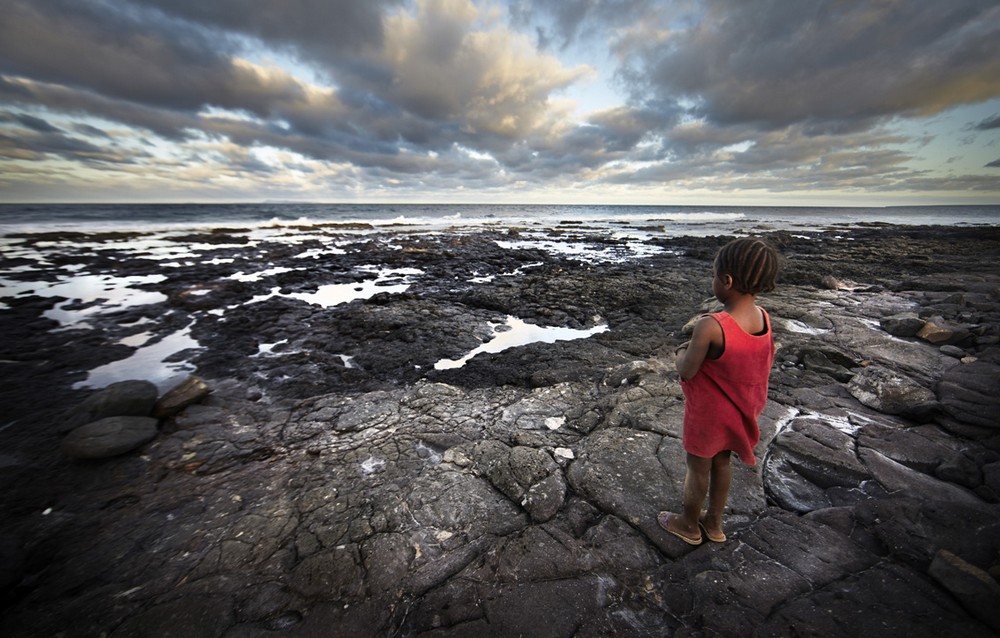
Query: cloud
(989,123)
(994,164)
(570,21)
(325,31)
(779,63)
(37,142)
(484,81)
(441,95)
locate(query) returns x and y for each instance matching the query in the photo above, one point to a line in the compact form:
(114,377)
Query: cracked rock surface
(517,495)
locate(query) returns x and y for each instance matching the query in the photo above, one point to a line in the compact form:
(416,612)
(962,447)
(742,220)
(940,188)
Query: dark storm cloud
(989,123)
(89,45)
(322,29)
(31,144)
(168,124)
(36,123)
(994,164)
(778,62)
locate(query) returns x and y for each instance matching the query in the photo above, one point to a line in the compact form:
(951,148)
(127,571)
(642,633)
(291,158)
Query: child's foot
(669,523)
(714,535)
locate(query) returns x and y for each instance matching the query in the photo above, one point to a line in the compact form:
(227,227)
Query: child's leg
(696,484)
(718,493)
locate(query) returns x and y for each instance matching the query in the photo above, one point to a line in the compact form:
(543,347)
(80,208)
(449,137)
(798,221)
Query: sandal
(663,518)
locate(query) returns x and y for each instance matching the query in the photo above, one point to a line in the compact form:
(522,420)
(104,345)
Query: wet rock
(892,393)
(109,437)
(905,324)
(124,398)
(721,591)
(187,392)
(971,393)
(974,588)
(808,457)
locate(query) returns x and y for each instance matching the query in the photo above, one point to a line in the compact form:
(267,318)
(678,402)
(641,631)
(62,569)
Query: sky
(742,102)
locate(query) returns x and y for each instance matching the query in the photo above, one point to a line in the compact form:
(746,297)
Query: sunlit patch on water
(516,332)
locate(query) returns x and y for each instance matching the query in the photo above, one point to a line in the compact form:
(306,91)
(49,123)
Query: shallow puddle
(515,332)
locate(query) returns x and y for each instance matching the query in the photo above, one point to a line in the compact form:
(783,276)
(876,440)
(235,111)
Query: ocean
(641,220)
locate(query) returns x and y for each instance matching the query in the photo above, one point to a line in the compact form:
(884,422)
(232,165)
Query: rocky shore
(337,483)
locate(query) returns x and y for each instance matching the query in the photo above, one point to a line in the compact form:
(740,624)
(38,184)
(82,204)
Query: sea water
(684,220)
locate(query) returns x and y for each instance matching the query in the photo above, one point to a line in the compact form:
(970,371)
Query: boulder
(953,351)
(892,393)
(974,588)
(904,324)
(124,398)
(971,393)
(940,332)
(189,391)
(109,437)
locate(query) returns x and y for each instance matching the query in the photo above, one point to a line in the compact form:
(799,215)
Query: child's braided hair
(751,262)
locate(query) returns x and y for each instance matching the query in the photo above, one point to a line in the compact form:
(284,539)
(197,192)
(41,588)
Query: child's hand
(678,350)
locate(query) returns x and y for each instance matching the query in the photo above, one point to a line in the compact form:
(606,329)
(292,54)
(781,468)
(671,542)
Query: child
(724,370)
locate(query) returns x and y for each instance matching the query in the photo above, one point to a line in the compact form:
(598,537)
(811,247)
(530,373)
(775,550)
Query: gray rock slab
(109,437)
(974,588)
(912,530)
(890,392)
(900,480)
(885,600)
(971,393)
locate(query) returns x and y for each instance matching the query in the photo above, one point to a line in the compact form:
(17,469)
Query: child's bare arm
(690,355)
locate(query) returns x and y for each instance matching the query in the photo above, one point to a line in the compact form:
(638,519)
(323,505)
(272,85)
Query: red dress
(723,400)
